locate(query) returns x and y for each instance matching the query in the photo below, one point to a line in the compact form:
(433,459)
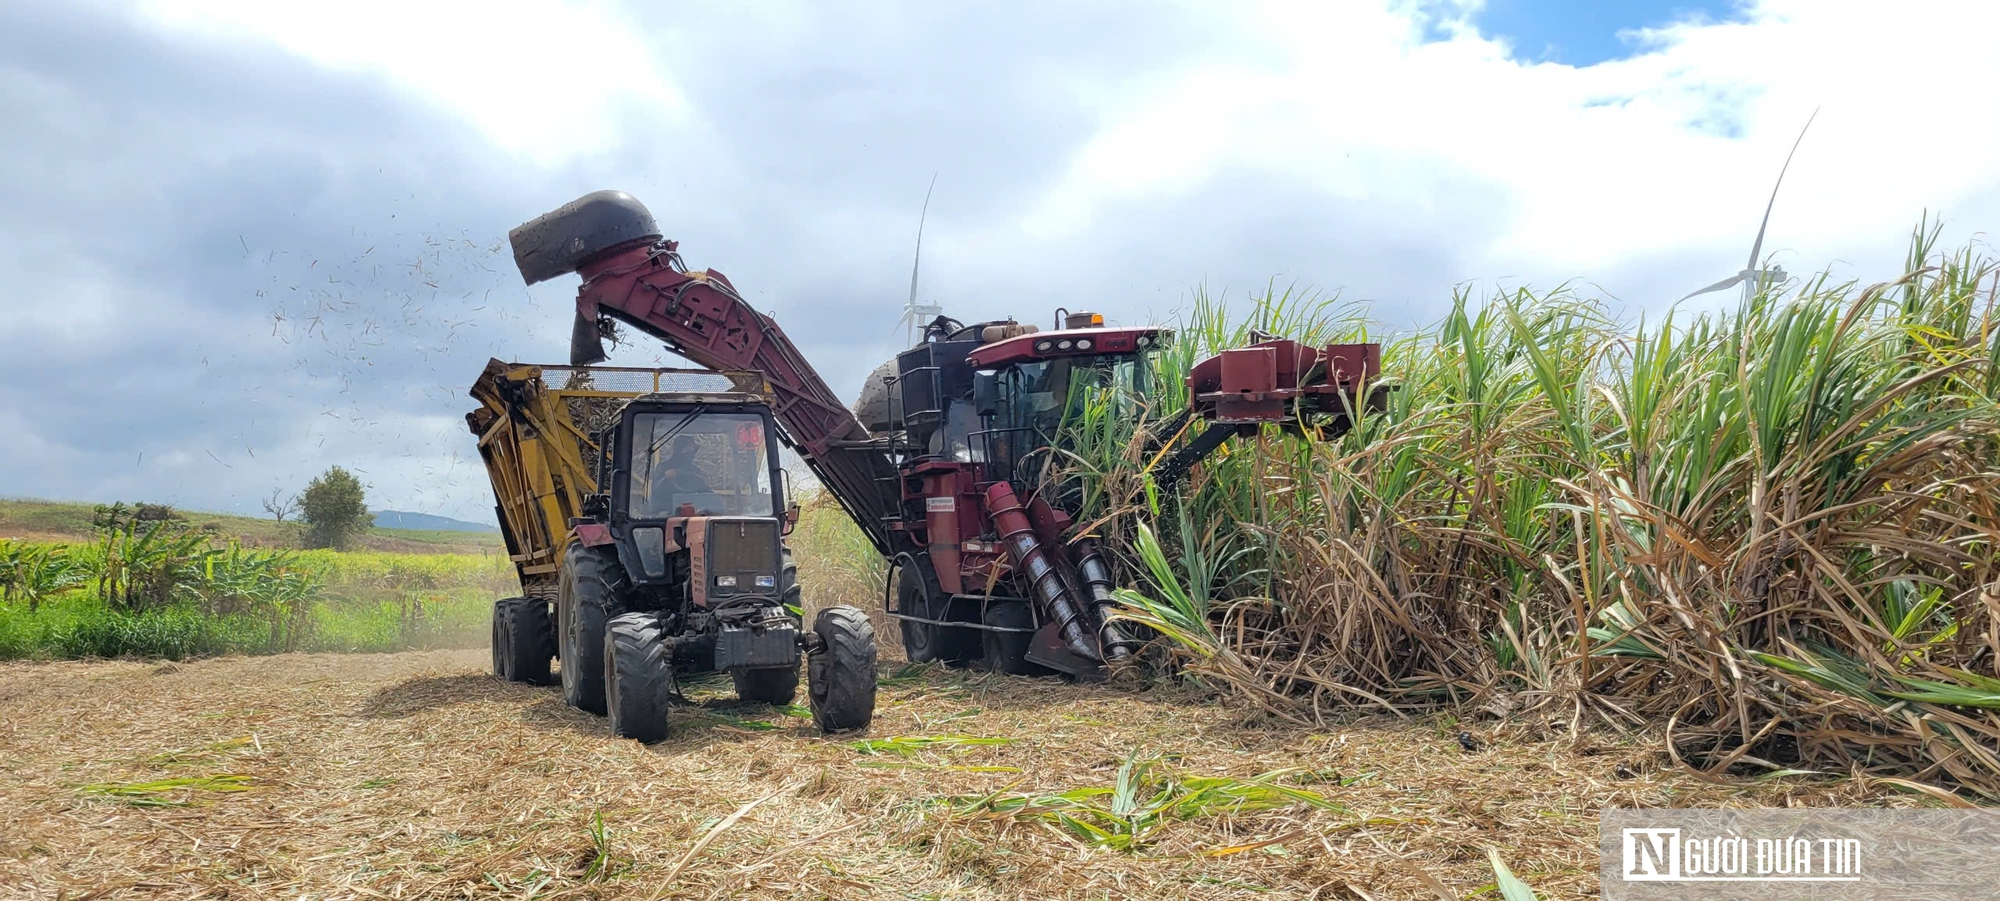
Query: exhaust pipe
(1046,579)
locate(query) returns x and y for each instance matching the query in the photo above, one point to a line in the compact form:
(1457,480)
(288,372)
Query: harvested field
(416,775)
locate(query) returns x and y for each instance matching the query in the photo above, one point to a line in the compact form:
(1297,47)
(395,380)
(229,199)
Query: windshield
(1037,399)
(699,464)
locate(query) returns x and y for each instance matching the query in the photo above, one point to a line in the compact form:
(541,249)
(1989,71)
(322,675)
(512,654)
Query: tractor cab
(701,475)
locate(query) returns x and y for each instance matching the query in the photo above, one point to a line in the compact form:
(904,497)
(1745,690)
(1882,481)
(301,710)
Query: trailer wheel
(1007,652)
(840,676)
(918,594)
(638,678)
(588,597)
(503,610)
(531,641)
(773,685)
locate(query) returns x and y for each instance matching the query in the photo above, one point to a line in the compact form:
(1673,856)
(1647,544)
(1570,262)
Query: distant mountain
(425,522)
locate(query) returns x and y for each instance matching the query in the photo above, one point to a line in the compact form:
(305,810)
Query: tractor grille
(743,547)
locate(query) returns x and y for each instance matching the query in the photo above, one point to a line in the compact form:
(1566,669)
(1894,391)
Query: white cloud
(1670,151)
(549,81)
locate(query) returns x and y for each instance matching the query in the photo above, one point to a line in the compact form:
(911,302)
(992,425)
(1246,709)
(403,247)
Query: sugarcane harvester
(936,463)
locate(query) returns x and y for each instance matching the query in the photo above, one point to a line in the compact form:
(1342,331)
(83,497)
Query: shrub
(335,509)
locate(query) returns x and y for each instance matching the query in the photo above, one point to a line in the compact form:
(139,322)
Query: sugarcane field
(1318,451)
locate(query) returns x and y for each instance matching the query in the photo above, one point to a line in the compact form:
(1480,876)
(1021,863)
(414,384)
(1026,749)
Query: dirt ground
(416,776)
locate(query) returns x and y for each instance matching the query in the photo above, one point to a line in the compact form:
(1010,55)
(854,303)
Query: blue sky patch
(1585,32)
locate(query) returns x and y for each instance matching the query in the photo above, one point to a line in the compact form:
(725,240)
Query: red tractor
(938,469)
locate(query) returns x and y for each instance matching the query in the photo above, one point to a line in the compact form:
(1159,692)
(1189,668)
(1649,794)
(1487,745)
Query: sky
(244,241)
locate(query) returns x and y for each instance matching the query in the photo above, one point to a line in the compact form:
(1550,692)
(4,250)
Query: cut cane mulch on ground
(418,776)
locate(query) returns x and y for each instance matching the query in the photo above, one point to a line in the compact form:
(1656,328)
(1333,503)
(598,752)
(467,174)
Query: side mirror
(791,515)
(985,393)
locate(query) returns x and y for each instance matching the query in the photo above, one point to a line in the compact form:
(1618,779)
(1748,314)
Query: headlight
(1145,341)
(766,582)
(1063,344)
(725,581)
(1043,345)
(1083,344)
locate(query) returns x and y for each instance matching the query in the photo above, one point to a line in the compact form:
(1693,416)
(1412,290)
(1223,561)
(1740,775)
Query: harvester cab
(663,551)
(998,393)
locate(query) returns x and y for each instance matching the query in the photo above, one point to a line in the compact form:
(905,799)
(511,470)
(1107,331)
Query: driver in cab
(678,473)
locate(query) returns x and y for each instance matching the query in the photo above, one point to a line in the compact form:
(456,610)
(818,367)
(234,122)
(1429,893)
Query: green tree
(334,509)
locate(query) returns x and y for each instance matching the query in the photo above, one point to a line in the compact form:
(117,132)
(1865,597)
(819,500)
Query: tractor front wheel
(638,678)
(840,675)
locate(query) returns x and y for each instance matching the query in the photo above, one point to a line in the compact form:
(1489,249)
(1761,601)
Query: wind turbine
(1752,278)
(916,314)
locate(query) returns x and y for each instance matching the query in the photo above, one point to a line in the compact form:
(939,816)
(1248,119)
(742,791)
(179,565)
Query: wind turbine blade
(1758,247)
(920,240)
(1729,282)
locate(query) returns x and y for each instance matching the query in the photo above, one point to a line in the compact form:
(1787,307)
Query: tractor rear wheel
(531,642)
(589,595)
(918,594)
(840,675)
(503,610)
(638,678)
(1007,652)
(773,685)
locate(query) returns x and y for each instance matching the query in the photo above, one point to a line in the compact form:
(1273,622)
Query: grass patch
(365,601)
(940,767)
(155,793)
(910,745)
(1146,796)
